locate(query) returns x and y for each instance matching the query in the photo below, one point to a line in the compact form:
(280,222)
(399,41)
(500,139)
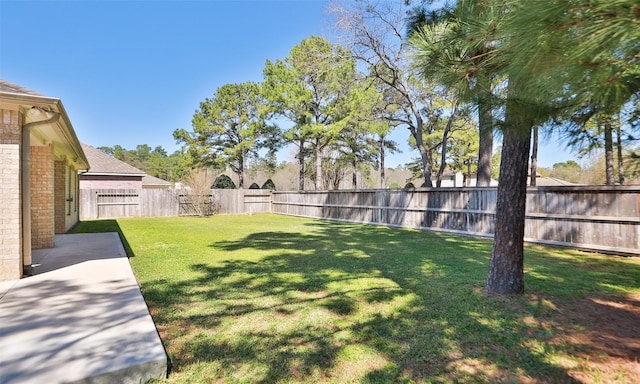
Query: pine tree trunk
(621,176)
(425,155)
(443,152)
(534,158)
(318,183)
(427,161)
(608,152)
(485,147)
(506,270)
(301,166)
(382,173)
(354,175)
(241,173)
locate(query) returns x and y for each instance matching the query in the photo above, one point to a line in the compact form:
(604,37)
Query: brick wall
(42,197)
(10,227)
(10,205)
(10,132)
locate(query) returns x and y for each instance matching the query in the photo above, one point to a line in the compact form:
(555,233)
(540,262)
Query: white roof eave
(61,133)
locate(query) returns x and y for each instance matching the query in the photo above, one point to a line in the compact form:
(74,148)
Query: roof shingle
(9,87)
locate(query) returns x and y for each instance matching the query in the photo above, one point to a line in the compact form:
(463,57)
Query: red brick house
(40,158)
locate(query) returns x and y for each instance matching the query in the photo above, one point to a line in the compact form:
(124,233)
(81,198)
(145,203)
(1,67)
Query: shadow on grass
(410,303)
(102,226)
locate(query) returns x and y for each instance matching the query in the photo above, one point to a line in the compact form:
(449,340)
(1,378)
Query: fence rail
(595,218)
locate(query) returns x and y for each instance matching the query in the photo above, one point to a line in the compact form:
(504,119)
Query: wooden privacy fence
(594,218)
(116,203)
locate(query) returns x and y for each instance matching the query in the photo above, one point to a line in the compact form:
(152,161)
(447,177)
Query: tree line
(337,117)
(437,72)
(441,73)
(153,161)
(176,167)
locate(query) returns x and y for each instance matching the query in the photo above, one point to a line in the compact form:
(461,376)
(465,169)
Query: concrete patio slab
(80,319)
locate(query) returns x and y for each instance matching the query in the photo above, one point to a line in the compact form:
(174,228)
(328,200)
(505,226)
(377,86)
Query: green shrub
(254,186)
(223,182)
(269,185)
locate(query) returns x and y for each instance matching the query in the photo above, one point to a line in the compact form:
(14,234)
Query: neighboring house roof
(103,164)
(149,180)
(9,87)
(47,120)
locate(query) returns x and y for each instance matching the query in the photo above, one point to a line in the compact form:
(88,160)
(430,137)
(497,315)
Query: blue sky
(131,72)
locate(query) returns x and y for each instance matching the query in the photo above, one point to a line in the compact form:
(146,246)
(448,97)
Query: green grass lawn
(269,298)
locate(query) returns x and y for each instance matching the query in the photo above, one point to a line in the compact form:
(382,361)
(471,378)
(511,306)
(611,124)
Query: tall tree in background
(364,141)
(457,54)
(308,88)
(288,97)
(464,153)
(621,175)
(374,31)
(355,148)
(378,116)
(229,128)
(597,134)
(384,146)
(459,134)
(443,117)
(608,149)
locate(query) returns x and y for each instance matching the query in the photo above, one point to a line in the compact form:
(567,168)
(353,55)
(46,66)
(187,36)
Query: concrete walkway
(80,319)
